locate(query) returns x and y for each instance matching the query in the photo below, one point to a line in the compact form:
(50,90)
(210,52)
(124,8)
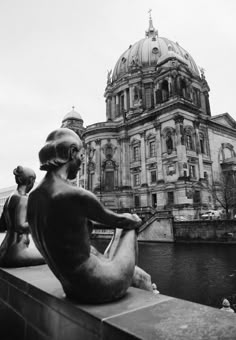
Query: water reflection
(203,273)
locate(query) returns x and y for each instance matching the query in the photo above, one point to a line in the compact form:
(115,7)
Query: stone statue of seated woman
(15,250)
(60,216)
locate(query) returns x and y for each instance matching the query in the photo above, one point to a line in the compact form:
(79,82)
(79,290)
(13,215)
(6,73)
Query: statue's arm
(95,211)
(21,223)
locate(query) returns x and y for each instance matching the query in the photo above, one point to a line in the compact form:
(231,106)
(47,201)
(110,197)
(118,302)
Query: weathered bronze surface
(15,250)
(60,216)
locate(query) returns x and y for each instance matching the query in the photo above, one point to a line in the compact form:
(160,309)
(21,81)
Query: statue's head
(24,176)
(62,146)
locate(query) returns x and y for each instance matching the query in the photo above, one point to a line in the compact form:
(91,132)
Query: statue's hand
(137,218)
(133,221)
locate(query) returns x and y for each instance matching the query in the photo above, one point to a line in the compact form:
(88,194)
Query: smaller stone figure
(226,306)
(15,250)
(154,287)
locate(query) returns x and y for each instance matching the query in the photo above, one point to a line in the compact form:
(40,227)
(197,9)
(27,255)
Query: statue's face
(74,165)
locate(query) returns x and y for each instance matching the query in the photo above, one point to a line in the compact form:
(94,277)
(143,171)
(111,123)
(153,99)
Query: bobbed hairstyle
(24,175)
(56,150)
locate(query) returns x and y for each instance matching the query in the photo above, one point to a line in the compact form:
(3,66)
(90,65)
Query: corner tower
(73,120)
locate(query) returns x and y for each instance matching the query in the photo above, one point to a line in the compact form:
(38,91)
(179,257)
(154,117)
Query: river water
(203,273)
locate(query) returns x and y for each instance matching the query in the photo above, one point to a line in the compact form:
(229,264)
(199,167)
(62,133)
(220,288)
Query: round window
(155,50)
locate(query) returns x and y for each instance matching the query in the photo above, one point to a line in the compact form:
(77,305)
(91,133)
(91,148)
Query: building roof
(151,51)
(72,115)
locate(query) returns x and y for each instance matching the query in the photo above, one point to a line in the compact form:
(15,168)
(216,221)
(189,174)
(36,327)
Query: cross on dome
(151,32)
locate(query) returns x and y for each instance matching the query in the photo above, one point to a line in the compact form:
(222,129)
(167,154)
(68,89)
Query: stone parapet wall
(33,306)
(220,231)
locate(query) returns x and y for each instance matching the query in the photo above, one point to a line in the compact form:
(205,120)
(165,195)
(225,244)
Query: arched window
(109,175)
(194,96)
(122,103)
(136,153)
(109,180)
(183,88)
(227,153)
(165,91)
(136,94)
(158,96)
(135,150)
(152,148)
(202,143)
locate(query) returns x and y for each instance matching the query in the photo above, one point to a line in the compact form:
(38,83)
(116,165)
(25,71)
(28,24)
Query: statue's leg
(141,279)
(115,243)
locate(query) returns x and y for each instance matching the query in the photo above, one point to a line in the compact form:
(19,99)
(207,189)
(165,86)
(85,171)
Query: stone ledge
(32,300)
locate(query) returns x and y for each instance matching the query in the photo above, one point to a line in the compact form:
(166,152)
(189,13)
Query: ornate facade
(159,143)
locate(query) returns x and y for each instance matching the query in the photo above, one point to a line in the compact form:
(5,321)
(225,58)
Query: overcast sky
(55,54)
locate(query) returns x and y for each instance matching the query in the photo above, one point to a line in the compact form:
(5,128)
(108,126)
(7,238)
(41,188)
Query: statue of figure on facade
(109,72)
(169,143)
(15,250)
(61,218)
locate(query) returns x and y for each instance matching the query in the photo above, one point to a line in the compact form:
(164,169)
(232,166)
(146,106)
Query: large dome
(150,52)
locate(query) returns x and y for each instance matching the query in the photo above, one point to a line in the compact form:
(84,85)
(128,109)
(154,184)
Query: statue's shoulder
(14,199)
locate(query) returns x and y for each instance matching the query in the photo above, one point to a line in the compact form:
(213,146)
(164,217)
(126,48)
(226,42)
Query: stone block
(173,319)
(12,325)
(38,309)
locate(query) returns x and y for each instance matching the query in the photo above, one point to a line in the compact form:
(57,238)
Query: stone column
(207,103)
(125,165)
(125,100)
(131,97)
(113,107)
(108,108)
(169,86)
(119,161)
(97,177)
(198,149)
(160,176)
(180,147)
(85,168)
(117,106)
(143,161)
(154,95)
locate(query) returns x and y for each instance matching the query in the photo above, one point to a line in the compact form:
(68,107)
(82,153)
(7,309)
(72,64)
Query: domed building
(159,146)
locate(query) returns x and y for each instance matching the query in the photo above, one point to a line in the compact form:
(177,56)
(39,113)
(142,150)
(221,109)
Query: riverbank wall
(212,231)
(157,229)
(33,306)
